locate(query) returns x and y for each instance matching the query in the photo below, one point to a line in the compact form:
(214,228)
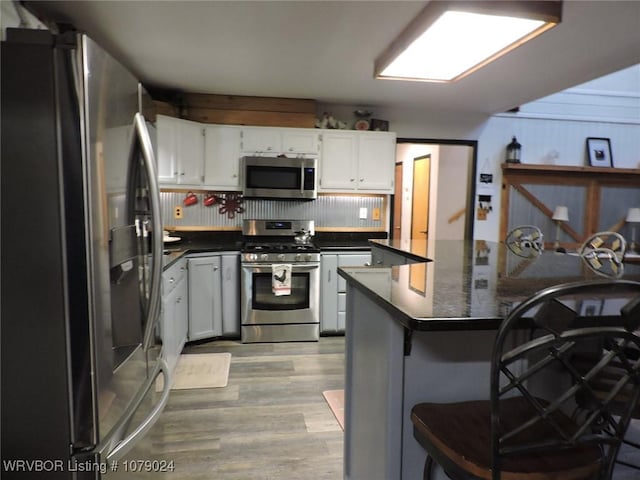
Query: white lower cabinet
(214,296)
(175,311)
(333,288)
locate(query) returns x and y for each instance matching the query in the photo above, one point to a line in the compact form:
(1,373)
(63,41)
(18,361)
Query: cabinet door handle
(329,277)
(171,280)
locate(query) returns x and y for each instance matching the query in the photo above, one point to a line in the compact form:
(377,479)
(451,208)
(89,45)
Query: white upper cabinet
(222,157)
(208,156)
(261,140)
(376,161)
(277,141)
(301,140)
(180,151)
(338,160)
(357,161)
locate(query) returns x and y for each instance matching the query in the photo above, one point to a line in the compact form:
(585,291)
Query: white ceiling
(325,50)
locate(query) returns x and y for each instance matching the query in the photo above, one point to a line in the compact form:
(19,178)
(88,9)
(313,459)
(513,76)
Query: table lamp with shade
(633,217)
(560,214)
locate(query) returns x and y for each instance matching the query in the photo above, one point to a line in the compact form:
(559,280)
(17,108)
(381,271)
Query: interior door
(420,218)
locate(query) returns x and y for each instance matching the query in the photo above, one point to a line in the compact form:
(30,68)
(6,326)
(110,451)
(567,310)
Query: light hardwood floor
(271,422)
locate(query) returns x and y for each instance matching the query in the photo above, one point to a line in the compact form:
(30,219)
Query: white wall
(454,165)
(552,130)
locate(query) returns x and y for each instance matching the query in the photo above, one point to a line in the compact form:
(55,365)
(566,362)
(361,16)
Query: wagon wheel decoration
(231,204)
(604,252)
(526,241)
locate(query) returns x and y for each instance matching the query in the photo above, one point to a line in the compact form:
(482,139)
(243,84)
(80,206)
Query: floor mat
(335,399)
(200,370)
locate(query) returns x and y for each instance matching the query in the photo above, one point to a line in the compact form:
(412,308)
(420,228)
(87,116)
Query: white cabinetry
(180,151)
(175,311)
(300,140)
(376,161)
(214,296)
(357,161)
(338,161)
(333,288)
(222,157)
(205,298)
(276,141)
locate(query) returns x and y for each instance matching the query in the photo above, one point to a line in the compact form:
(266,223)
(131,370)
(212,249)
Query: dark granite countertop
(468,285)
(356,241)
(231,241)
(413,249)
(200,242)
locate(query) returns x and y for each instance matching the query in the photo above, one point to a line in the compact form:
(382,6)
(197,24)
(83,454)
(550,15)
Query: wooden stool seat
(462,431)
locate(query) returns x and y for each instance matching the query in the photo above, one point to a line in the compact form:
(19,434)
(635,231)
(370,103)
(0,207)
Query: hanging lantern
(513,151)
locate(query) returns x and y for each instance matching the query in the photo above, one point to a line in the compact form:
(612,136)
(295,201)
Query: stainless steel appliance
(266,316)
(279,177)
(80,281)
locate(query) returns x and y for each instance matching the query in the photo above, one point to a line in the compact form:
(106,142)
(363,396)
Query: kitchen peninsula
(424,332)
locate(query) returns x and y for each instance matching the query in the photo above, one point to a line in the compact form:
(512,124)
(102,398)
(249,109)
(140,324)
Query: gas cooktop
(279,247)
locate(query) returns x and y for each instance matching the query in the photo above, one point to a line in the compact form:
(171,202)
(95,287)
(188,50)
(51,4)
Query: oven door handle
(295,267)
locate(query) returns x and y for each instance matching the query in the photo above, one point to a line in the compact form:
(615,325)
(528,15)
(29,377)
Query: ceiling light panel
(458,42)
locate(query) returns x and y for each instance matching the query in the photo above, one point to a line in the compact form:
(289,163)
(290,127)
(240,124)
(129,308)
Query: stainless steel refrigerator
(81,260)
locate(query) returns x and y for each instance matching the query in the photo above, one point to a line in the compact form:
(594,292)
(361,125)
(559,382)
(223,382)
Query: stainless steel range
(280,275)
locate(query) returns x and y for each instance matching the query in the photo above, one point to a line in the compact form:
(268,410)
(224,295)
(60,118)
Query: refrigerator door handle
(153,312)
(115,448)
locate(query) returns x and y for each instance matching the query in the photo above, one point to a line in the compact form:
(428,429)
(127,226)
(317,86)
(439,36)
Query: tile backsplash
(328,211)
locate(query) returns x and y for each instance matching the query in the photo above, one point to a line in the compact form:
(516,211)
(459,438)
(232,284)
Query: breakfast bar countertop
(424,332)
(468,285)
(412,249)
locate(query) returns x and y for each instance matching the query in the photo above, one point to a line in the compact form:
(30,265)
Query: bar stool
(526,429)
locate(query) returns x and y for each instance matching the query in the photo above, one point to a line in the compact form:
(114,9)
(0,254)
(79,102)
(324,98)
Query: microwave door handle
(302,179)
(153,312)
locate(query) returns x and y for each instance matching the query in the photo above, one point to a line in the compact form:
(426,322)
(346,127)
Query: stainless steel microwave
(279,177)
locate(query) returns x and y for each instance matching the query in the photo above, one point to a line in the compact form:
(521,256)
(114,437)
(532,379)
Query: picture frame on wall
(599,152)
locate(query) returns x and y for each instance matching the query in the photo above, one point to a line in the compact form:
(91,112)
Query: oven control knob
(264,256)
(298,257)
(251,257)
(308,257)
(281,256)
